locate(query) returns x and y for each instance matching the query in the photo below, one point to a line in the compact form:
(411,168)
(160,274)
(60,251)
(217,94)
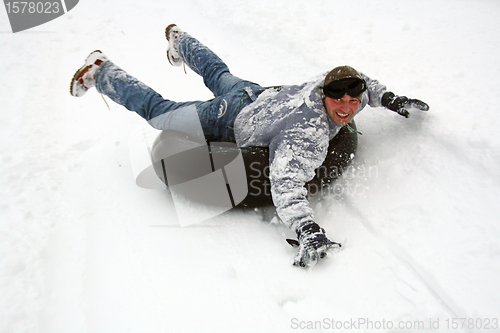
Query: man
(295,122)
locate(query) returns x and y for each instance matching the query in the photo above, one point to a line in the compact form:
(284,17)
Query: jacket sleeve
(375,91)
(294,156)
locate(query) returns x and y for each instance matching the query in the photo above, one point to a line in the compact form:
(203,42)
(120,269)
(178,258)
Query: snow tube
(221,174)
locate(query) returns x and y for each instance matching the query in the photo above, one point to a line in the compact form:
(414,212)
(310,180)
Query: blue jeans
(216,116)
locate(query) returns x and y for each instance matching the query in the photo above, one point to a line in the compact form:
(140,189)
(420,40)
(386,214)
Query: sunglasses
(349,86)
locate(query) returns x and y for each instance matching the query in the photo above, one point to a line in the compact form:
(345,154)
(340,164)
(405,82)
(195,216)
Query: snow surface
(83,249)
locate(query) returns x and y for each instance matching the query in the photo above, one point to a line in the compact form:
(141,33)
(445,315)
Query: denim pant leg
(160,113)
(208,65)
(218,115)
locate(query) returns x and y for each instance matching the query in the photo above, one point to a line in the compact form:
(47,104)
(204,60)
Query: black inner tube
(181,158)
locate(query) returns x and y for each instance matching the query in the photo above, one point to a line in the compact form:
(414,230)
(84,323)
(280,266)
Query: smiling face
(341,110)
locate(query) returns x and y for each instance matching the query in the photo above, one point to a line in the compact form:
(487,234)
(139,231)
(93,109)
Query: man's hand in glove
(402,104)
(313,244)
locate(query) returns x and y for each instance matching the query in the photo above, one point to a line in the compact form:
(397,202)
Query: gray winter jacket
(294,124)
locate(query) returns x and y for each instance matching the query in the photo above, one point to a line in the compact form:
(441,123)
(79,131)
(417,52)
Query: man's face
(341,110)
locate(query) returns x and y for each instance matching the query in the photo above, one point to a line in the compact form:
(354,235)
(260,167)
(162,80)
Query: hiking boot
(84,78)
(172,33)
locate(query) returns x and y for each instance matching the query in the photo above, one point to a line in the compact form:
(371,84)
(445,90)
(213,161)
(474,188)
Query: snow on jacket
(294,124)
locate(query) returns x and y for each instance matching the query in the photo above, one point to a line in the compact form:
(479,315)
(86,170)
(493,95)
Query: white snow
(84,249)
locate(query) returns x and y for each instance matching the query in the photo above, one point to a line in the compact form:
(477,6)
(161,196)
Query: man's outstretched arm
(294,157)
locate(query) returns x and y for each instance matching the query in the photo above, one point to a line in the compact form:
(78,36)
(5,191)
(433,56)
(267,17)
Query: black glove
(402,104)
(313,244)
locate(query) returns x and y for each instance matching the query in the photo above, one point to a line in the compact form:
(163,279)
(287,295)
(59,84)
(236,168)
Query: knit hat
(343,72)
